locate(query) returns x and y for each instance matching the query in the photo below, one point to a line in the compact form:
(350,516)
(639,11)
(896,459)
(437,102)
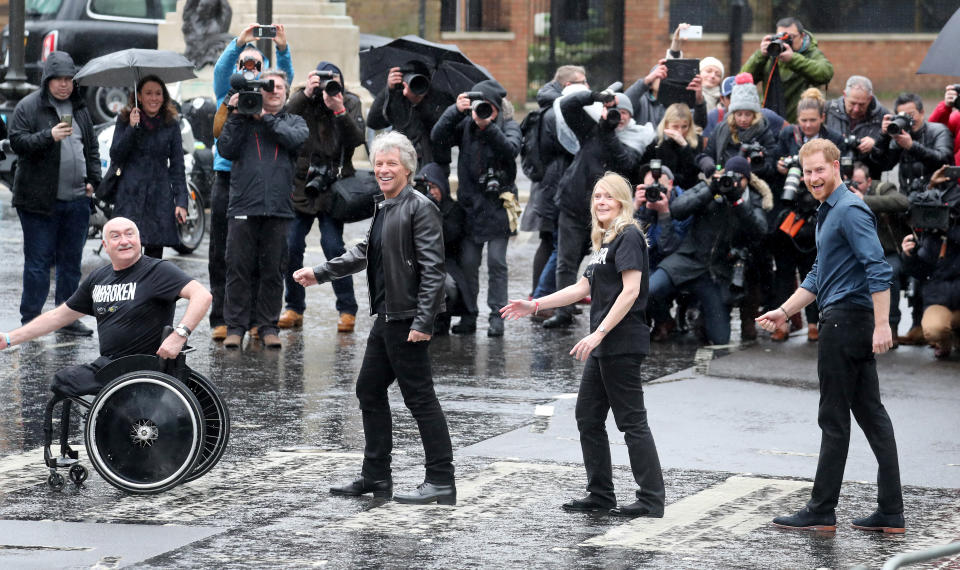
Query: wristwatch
(182,330)
(601,329)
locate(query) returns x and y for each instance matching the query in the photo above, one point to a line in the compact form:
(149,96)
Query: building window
(472,16)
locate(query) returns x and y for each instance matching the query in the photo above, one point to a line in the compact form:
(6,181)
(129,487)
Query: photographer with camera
(600,127)
(931,253)
(724,212)
(788,62)
(335,121)
(918,147)
(410,106)
(489,144)
(947,114)
(263,147)
(240,56)
(858,116)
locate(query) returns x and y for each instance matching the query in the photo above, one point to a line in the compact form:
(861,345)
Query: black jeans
(614,381)
(256,246)
(217,254)
(848,381)
(389,356)
(573,243)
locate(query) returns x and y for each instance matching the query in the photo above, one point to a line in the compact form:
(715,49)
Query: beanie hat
(738,164)
(623,102)
(744,96)
(726,86)
(708,61)
(492,92)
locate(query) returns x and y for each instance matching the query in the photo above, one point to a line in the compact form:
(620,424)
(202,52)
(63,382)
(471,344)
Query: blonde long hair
(676,113)
(619,188)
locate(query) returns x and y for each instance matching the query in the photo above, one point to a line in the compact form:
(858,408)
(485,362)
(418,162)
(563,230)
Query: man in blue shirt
(850,280)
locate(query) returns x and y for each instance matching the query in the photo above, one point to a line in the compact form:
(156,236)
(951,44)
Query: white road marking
(542,410)
(781,452)
(693,523)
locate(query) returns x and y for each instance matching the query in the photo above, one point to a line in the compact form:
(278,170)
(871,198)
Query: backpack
(530,160)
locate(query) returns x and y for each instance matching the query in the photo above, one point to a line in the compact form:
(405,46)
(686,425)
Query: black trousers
(217,253)
(255,246)
(848,382)
(390,357)
(614,382)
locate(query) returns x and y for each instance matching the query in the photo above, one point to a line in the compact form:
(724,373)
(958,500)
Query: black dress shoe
(804,519)
(467,325)
(881,522)
(382,489)
(496,327)
(559,320)
(429,493)
(584,505)
(76,328)
(637,509)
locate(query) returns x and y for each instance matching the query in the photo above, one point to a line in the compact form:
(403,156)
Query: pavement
(735,429)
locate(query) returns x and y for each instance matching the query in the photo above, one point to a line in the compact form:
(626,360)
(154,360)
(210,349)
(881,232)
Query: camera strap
(791,224)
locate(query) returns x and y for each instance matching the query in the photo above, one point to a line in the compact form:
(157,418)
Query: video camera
(791,186)
(928,212)
(656,191)
(420,184)
(418,83)
(899,123)
(320,177)
(727,185)
(479,104)
(250,100)
(328,84)
(490,180)
(778,44)
(752,152)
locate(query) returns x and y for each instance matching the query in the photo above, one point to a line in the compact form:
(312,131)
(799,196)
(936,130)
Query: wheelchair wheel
(216,420)
(144,432)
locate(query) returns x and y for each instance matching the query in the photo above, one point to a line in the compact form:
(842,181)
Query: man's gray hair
(859,82)
(398,142)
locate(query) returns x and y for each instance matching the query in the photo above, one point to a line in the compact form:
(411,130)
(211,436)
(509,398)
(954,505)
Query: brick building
(885,40)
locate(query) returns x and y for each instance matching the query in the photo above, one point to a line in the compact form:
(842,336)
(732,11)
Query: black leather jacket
(412,259)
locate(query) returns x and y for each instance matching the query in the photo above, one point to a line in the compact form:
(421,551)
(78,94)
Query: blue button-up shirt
(850,265)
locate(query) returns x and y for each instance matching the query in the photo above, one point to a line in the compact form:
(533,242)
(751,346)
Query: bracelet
(6,337)
(785,313)
(336,113)
(536,307)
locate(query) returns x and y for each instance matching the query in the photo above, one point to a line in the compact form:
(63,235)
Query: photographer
(411,113)
(643,95)
(601,128)
(947,114)
(677,145)
(723,213)
(489,145)
(858,116)
(263,148)
(335,121)
(933,257)
(799,65)
(918,147)
(888,204)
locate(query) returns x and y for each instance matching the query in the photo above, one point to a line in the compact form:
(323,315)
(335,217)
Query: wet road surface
(737,438)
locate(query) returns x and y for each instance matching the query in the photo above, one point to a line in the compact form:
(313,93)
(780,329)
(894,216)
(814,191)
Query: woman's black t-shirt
(627,251)
(131,305)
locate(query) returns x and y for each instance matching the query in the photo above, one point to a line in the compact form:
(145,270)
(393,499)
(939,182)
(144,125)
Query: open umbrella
(129,66)
(451,72)
(943,57)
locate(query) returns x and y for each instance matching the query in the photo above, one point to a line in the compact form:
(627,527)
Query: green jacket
(807,68)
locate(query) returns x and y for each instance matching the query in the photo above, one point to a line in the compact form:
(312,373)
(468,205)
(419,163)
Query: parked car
(87,29)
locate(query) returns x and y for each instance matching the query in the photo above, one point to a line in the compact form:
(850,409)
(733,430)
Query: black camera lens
(899,124)
(418,84)
(654,192)
(332,88)
(483,109)
(613,117)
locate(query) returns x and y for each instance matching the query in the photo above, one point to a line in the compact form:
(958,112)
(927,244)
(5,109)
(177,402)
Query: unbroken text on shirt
(112,293)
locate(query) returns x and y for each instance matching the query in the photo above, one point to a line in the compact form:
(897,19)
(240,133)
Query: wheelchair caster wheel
(78,474)
(55,481)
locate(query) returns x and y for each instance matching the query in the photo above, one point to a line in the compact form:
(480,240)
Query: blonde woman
(617,281)
(677,145)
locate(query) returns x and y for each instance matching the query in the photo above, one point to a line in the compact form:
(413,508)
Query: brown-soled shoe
(881,522)
(804,519)
(219,332)
(780,335)
(290,319)
(271,340)
(346,322)
(913,337)
(233,341)
(813,333)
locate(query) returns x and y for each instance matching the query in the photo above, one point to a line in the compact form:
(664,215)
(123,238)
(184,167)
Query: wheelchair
(155,424)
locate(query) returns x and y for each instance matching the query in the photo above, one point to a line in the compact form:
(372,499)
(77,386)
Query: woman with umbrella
(147,148)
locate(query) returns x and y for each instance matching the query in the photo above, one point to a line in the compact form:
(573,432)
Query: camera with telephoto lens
(328,84)
(928,212)
(851,142)
(490,180)
(418,83)
(752,152)
(739,256)
(613,118)
(250,99)
(899,123)
(778,44)
(420,184)
(791,186)
(609,94)
(846,168)
(727,185)
(480,105)
(320,177)
(655,191)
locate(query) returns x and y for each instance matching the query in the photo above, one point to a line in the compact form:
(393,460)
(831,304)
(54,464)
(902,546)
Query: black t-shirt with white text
(131,305)
(627,251)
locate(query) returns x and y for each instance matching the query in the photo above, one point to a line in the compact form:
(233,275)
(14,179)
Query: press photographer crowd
(717,185)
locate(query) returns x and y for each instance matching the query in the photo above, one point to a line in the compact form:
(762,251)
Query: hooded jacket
(37,177)
(807,68)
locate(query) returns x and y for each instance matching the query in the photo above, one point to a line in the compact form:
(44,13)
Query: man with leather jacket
(403,256)
(918,150)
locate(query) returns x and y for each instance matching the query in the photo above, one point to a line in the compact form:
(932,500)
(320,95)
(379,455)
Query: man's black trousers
(255,245)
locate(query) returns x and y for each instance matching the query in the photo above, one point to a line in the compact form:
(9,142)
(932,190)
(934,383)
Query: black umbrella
(450,71)
(129,66)
(943,57)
